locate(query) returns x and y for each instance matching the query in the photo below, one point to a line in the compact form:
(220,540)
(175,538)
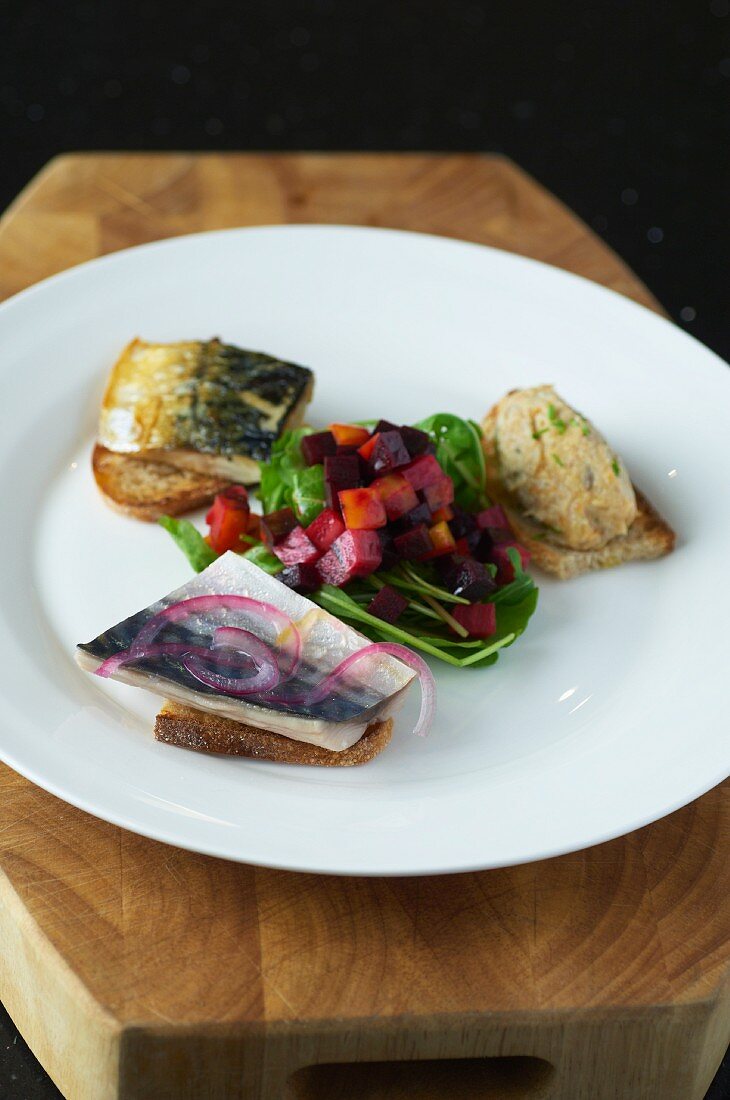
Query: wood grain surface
(138,970)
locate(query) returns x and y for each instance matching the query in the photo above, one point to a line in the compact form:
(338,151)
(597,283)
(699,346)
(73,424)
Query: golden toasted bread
(648,537)
(191,729)
(147,490)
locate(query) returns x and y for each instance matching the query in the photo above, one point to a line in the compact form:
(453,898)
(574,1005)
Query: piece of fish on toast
(203,406)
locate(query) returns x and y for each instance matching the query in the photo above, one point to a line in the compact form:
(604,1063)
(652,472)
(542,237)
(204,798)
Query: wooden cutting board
(137,970)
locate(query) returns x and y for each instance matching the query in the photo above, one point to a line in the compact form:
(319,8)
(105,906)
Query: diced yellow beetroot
(423,471)
(362,509)
(445,513)
(353,554)
(480,619)
(396,493)
(325,529)
(442,541)
(349,434)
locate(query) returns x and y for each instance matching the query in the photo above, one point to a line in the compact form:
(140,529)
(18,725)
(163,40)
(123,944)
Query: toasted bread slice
(147,490)
(192,729)
(648,537)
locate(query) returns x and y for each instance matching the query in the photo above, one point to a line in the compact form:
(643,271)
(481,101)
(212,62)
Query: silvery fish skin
(201,405)
(372,689)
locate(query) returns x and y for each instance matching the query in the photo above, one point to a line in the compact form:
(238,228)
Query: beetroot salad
(389,528)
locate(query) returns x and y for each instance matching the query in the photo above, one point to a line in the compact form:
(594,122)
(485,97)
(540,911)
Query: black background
(620,108)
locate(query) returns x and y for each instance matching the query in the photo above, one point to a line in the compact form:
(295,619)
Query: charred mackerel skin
(206,406)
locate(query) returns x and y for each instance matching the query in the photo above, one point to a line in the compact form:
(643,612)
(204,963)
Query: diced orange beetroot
(367,448)
(353,554)
(349,434)
(500,557)
(423,471)
(296,548)
(396,493)
(362,509)
(445,513)
(228,519)
(480,619)
(325,529)
(439,494)
(442,540)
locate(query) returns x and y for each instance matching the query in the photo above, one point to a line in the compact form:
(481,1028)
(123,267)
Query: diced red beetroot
(500,557)
(466,577)
(396,493)
(420,514)
(480,619)
(367,448)
(442,541)
(340,472)
(349,433)
(482,549)
(463,522)
(317,446)
(388,605)
(414,545)
(325,529)
(346,449)
(385,426)
(389,453)
(439,494)
(253,527)
(353,554)
(493,517)
(415,440)
(362,509)
(296,548)
(462,547)
(423,471)
(302,578)
(276,525)
(390,557)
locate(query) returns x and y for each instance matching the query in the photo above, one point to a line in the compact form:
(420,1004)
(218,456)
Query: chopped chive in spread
(555,420)
(586,430)
(615,467)
(558,459)
(538,432)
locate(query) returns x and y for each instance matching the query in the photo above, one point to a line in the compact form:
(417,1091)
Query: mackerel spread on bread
(568,496)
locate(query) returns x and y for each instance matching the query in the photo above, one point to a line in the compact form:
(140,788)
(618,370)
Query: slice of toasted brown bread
(648,537)
(147,490)
(191,729)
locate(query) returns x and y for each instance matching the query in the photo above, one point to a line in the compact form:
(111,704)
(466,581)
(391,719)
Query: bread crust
(147,489)
(189,728)
(649,536)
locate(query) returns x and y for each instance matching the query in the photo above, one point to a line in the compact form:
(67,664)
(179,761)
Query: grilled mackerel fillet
(201,405)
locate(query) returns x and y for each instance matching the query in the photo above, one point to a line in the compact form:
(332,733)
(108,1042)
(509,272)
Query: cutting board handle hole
(516,1078)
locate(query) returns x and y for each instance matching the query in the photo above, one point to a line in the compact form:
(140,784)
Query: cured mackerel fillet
(370,691)
(201,405)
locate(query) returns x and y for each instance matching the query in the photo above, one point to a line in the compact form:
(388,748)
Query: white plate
(610,712)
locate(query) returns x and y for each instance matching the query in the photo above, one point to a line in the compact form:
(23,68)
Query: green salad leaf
(460,454)
(287,482)
(190,541)
(265,560)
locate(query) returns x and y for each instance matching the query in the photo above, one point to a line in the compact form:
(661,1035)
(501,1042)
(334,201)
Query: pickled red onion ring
(393,649)
(244,642)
